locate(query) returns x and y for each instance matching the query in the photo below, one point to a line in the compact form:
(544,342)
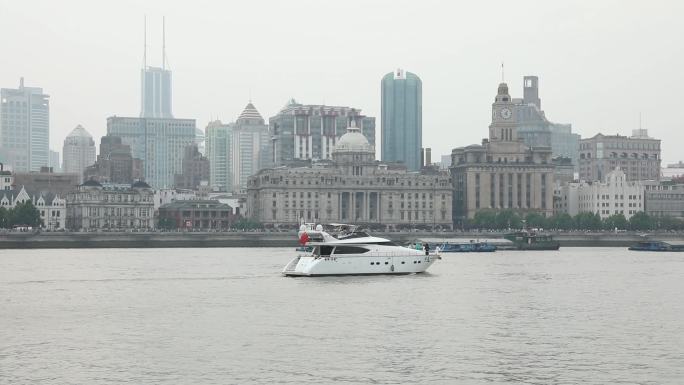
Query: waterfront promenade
(64,240)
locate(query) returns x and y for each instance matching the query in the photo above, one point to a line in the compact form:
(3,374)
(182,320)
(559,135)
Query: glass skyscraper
(160,143)
(156,93)
(402,118)
(218,137)
(536,130)
(24,128)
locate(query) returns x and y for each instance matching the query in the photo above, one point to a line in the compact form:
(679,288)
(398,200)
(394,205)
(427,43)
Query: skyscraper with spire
(156,137)
(155,84)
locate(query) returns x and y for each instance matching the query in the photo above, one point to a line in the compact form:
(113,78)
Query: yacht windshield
(357,234)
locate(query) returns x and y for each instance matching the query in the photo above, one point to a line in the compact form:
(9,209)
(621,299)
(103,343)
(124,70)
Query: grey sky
(600,63)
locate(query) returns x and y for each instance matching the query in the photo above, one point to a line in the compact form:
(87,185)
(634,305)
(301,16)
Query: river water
(226,316)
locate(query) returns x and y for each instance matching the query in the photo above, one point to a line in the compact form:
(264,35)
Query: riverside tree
(506,219)
(23,214)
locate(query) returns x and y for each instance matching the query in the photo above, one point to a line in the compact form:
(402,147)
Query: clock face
(505,113)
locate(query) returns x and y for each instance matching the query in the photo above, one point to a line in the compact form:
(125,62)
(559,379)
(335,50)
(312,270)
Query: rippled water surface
(226,316)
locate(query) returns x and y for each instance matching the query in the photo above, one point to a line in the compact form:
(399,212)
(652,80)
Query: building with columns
(110,206)
(503,172)
(351,187)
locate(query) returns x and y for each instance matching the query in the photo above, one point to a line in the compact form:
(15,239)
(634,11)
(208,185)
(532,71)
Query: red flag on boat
(304,238)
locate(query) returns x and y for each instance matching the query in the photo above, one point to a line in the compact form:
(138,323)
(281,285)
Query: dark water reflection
(222,316)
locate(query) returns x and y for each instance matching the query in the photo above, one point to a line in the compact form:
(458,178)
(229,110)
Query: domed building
(350,187)
(302,133)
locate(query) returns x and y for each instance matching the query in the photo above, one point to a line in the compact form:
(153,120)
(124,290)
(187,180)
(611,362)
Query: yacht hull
(312,266)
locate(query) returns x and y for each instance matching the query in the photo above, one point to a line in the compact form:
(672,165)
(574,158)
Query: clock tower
(503,124)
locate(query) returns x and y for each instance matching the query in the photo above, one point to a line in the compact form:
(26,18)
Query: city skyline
(600,70)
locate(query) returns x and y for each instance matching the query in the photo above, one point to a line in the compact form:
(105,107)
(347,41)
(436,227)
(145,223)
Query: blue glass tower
(402,118)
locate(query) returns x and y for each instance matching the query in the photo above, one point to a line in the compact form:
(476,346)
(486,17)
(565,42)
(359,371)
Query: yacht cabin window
(322,251)
(350,250)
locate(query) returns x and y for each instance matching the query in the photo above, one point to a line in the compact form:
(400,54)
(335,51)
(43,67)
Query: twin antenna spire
(163,43)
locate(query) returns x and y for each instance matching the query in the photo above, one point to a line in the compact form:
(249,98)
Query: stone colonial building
(52,207)
(664,199)
(110,206)
(638,156)
(198,214)
(614,195)
(352,187)
(502,173)
(6,178)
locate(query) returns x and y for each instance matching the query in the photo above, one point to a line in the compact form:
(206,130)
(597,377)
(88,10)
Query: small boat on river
(655,246)
(529,240)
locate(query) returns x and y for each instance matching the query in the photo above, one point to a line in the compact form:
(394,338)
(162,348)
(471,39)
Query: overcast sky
(600,63)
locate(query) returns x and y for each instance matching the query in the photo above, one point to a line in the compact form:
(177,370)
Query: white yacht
(354,252)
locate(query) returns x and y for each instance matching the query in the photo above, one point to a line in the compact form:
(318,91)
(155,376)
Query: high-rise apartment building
(638,156)
(24,128)
(78,151)
(402,118)
(302,133)
(237,150)
(251,144)
(195,169)
(159,143)
(218,146)
(54,162)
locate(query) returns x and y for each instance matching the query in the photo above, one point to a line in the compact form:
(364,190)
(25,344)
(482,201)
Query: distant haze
(600,63)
